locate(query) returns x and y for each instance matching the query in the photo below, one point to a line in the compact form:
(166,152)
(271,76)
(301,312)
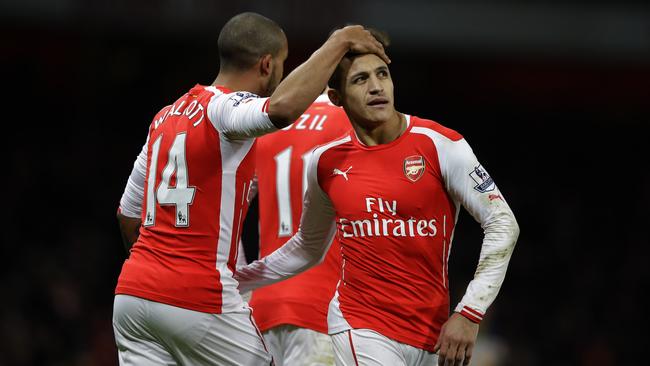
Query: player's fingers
(379,49)
(460,355)
(436,348)
(468,354)
(442,353)
(382,54)
(452,350)
(367,43)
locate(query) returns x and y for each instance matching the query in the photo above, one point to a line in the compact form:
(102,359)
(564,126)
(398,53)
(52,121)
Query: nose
(374,85)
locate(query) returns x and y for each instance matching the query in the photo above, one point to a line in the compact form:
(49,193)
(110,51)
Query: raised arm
(305,249)
(243,115)
(302,86)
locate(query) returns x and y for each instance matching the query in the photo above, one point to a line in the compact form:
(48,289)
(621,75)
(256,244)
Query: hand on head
(361,41)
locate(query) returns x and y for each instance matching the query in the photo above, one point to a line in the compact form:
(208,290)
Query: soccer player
(176,300)
(293,314)
(391,191)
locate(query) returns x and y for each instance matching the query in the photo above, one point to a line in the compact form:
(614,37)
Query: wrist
(470,314)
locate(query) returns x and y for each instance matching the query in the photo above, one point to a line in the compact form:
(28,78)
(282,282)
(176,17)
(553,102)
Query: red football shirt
(394,208)
(200,160)
(282,159)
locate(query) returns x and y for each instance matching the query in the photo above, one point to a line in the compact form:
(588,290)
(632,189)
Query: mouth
(378,102)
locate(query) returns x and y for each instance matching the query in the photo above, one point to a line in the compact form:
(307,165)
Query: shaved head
(245,38)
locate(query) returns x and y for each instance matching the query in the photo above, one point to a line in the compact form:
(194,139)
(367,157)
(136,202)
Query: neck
(382,133)
(239,81)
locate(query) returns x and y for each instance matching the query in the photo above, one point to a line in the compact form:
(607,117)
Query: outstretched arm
(305,249)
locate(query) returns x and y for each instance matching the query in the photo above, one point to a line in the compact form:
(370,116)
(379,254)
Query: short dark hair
(337,77)
(245,38)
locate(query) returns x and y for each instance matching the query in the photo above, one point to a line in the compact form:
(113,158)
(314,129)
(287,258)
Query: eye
(358,79)
(382,73)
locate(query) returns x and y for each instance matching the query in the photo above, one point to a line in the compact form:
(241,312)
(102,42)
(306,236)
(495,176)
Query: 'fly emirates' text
(386,227)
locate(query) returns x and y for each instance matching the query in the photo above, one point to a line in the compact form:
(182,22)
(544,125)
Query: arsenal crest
(414,167)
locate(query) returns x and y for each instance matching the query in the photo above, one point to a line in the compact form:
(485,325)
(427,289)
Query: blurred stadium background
(553,96)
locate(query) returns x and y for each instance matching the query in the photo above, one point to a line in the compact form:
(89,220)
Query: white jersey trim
(323,98)
(233,152)
(336,322)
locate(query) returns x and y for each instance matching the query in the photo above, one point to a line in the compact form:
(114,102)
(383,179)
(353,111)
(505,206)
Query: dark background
(553,97)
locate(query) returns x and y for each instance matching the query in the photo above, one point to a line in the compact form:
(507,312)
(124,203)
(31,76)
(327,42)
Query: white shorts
(151,333)
(293,346)
(365,347)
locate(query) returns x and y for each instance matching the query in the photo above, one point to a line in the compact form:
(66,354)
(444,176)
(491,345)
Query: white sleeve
(239,115)
(469,184)
(131,202)
(305,249)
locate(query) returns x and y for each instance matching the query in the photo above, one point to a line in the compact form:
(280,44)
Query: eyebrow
(381,68)
(363,73)
(360,73)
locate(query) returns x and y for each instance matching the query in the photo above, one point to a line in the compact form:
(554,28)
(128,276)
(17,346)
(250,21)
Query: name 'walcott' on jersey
(196,194)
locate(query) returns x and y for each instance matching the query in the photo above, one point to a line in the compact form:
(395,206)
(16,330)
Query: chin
(380,116)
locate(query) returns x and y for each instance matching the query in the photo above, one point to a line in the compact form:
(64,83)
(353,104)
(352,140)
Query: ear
(334,96)
(266,63)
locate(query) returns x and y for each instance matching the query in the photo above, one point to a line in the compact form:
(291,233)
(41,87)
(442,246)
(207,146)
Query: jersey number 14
(180,195)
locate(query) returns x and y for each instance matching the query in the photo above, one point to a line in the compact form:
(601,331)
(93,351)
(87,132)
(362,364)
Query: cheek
(357,104)
(357,99)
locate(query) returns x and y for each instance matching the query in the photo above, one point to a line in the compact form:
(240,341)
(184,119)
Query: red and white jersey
(199,163)
(394,208)
(282,159)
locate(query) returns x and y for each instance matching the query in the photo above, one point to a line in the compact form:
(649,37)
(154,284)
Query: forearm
(128,214)
(302,86)
(470,185)
(130,230)
(501,233)
(295,256)
(306,248)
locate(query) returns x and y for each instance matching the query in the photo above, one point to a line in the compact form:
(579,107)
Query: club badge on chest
(414,167)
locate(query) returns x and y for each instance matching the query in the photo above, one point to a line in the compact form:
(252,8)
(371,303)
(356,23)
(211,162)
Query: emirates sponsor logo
(414,167)
(383,220)
(376,226)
